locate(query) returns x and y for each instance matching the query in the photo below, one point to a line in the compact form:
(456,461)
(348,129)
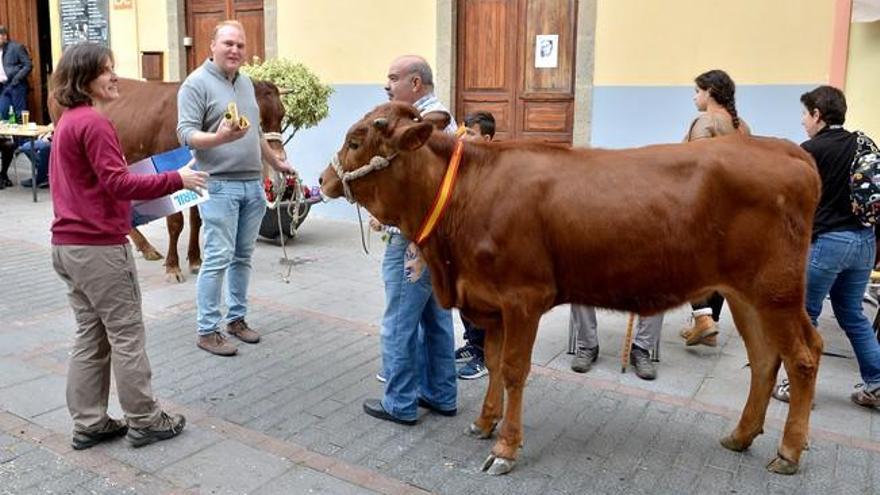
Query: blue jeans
(39,155)
(418,347)
(15,96)
(230,222)
(840,265)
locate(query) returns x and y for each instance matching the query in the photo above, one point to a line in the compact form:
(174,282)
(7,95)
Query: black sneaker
(87,439)
(167,427)
(475,368)
(443,412)
(465,353)
(374,408)
(641,361)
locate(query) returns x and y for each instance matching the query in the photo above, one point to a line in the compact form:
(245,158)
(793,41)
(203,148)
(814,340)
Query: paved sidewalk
(285,416)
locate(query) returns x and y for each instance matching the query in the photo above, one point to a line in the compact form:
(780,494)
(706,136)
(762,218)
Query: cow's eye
(353,145)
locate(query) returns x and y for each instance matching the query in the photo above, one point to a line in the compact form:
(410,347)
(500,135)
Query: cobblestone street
(284,416)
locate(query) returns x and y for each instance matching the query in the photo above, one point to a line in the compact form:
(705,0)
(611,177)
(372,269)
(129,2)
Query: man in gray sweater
(231,154)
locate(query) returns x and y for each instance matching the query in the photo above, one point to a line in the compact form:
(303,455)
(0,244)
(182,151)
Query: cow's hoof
(475,431)
(780,465)
(498,465)
(194,268)
(175,276)
(730,444)
(152,255)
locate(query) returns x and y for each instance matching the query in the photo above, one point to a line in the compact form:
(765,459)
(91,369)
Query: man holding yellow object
(216,104)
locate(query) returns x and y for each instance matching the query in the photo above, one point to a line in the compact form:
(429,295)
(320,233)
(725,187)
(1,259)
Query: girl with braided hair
(714,97)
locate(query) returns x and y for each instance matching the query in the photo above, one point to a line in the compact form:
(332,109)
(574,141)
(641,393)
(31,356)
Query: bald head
(409,78)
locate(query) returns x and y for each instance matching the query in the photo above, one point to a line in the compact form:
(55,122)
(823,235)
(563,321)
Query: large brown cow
(145,116)
(531,226)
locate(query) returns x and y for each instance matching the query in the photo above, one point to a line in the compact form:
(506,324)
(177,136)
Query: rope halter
(376,163)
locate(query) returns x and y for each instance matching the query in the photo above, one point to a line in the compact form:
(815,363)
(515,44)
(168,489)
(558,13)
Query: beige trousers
(106,301)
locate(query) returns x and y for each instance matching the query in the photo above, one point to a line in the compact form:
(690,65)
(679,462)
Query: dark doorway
(44,70)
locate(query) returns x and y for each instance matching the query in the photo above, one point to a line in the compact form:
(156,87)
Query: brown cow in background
(531,226)
(145,116)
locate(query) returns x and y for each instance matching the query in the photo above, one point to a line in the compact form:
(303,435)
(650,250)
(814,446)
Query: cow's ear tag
(414,136)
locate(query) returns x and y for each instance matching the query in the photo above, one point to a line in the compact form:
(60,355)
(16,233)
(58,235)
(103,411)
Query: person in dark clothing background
(842,251)
(15,66)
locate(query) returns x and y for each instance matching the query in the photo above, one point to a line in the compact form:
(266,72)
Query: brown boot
(703,327)
(242,331)
(216,343)
(710,341)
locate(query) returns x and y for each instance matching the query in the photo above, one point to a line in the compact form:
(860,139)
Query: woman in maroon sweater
(91,195)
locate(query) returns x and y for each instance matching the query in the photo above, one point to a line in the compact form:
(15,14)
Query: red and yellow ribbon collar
(444,194)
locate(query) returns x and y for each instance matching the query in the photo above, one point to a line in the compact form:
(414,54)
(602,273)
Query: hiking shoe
(167,427)
(865,398)
(465,353)
(475,368)
(782,392)
(709,341)
(88,439)
(241,330)
(641,361)
(216,343)
(584,358)
(703,327)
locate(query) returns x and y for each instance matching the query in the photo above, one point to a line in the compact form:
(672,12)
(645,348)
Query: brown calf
(145,116)
(531,226)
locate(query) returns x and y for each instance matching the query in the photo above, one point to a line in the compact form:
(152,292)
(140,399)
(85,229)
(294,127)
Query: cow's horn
(381,123)
(285,91)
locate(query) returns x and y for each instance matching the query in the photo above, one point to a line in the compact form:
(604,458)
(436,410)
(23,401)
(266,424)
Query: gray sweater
(201,105)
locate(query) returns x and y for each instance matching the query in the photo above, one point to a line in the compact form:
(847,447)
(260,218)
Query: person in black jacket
(14,70)
(842,251)
(15,66)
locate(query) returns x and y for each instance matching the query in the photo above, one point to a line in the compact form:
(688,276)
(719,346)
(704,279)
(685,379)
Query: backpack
(864,180)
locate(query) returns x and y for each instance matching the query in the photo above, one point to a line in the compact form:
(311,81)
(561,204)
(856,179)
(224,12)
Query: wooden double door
(28,24)
(203,15)
(516,59)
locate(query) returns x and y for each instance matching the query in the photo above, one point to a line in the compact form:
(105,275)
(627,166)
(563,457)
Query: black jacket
(834,150)
(16,63)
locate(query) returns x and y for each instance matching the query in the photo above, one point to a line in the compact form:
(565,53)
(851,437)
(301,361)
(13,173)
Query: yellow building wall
(354,41)
(124,41)
(152,30)
(142,28)
(669,42)
(862,76)
(55,27)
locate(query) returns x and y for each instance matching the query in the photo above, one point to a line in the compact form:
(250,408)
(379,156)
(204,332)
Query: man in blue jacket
(15,65)
(14,72)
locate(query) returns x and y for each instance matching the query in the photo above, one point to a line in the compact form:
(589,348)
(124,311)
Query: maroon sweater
(90,183)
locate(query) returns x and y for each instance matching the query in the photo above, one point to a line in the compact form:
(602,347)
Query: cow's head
(370,148)
(271,114)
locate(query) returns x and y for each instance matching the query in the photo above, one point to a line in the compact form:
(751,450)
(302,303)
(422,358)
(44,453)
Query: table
(27,132)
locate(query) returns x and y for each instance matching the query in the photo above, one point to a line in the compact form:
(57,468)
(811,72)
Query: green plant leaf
(307,102)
